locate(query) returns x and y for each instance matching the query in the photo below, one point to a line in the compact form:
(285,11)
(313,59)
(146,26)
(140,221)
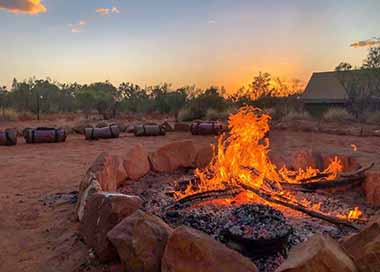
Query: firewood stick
(323,184)
(233,191)
(359,171)
(274,198)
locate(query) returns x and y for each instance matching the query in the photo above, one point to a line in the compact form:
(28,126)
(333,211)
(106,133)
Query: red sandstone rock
(105,174)
(109,171)
(173,156)
(88,187)
(204,156)
(140,240)
(189,250)
(371,188)
(364,248)
(102,212)
(136,162)
(318,254)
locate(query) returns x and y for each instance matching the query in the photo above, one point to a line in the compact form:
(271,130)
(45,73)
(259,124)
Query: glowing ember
(354,214)
(354,147)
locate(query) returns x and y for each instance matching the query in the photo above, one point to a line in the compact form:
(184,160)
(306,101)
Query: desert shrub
(274,113)
(186,114)
(296,115)
(7,114)
(372,117)
(215,115)
(337,114)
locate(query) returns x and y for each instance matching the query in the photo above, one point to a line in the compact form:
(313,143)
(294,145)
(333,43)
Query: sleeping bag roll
(109,132)
(8,137)
(206,128)
(149,130)
(44,135)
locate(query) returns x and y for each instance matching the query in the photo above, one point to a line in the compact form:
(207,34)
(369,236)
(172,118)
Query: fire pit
(244,201)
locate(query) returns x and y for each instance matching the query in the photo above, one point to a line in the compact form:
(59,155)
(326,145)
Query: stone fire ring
(115,227)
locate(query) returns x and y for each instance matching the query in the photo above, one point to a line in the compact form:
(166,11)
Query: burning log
(323,184)
(351,178)
(283,201)
(359,171)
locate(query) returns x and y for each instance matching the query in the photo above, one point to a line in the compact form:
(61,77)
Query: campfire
(241,163)
(249,203)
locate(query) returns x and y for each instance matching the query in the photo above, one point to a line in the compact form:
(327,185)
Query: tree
(100,96)
(261,86)
(343,66)
(134,98)
(373,58)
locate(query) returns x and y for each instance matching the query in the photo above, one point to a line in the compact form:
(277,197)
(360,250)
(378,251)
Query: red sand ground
(38,237)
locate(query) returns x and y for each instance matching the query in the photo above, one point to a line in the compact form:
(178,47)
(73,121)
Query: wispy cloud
(31,7)
(211,22)
(107,11)
(77,28)
(366,43)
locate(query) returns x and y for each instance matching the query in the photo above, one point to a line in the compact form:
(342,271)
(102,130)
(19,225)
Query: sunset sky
(202,42)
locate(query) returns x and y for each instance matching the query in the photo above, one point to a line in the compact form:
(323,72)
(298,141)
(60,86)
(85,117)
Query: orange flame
(354,214)
(354,147)
(247,145)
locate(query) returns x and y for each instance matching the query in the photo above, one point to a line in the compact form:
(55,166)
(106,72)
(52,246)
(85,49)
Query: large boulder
(136,162)
(140,240)
(173,156)
(189,250)
(371,187)
(109,171)
(204,156)
(364,248)
(102,212)
(318,254)
(105,174)
(87,188)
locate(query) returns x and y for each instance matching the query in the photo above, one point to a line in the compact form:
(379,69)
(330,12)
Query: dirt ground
(37,227)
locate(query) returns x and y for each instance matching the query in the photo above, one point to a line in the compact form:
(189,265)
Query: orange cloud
(107,11)
(366,43)
(31,7)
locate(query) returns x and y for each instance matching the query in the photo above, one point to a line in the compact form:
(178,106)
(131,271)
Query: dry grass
(215,115)
(372,117)
(184,115)
(338,114)
(25,116)
(8,115)
(296,115)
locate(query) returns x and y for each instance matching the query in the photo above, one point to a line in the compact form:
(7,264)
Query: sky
(202,42)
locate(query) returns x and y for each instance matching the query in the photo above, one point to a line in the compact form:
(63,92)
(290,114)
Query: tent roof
(338,86)
(325,87)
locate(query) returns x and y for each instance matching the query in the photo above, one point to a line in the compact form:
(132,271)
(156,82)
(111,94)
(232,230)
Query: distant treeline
(47,96)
